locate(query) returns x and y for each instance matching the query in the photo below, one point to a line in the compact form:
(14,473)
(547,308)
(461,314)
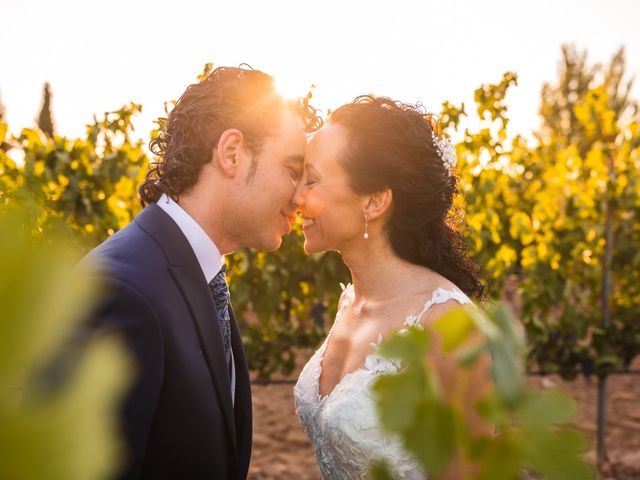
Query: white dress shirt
(206,251)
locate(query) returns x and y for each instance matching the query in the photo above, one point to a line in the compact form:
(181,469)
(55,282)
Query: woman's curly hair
(391,146)
(228,97)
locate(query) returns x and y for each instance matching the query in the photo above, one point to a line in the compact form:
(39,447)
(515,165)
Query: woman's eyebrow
(311,169)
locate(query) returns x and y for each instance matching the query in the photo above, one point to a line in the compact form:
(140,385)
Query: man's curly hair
(228,97)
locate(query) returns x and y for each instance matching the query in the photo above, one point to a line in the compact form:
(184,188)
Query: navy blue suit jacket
(178,419)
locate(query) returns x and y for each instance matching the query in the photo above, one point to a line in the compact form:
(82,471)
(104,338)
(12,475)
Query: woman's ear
(226,154)
(378,203)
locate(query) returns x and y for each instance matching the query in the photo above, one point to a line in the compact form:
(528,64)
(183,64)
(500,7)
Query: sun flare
(291,88)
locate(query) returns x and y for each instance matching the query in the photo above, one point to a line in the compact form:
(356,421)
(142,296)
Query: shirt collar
(206,251)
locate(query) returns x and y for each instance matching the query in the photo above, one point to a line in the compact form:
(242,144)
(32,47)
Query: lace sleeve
(345,299)
(440,296)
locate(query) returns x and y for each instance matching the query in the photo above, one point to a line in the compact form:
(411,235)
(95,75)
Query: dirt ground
(282,451)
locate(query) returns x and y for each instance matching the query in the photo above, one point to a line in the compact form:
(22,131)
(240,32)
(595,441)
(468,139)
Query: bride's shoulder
(439,300)
(438,289)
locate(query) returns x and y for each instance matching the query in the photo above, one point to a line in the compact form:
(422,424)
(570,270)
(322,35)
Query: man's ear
(227,153)
(378,203)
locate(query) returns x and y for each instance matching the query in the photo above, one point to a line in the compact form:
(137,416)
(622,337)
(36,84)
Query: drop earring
(366,227)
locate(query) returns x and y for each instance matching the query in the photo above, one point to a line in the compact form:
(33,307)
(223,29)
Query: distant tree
(562,216)
(45,118)
(576,80)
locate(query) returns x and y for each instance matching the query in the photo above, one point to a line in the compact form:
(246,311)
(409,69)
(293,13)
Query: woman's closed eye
(311,176)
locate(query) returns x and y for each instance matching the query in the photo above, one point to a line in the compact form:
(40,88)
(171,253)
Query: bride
(378,187)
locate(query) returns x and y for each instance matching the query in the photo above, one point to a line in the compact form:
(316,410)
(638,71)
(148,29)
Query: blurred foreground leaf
(532,431)
(59,427)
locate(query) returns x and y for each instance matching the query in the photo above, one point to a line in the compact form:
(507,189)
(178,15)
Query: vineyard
(560,218)
(553,221)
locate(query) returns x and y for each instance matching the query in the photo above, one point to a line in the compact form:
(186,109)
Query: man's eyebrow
(298,160)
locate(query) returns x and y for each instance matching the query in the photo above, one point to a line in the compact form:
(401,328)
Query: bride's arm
(461,386)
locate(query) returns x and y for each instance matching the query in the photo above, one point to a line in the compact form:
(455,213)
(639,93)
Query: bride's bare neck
(379,274)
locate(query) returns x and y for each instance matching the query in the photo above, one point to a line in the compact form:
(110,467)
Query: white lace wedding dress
(343,425)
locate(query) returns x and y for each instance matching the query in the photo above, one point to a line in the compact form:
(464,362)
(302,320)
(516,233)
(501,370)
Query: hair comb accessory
(446,150)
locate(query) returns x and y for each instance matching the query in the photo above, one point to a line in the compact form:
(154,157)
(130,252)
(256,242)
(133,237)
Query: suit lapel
(242,406)
(188,275)
(198,297)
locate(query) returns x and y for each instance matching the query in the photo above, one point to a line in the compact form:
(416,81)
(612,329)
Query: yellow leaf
(454,328)
(3,131)
(38,168)
(62,180)
(529,256)
(506,255)
(543,251)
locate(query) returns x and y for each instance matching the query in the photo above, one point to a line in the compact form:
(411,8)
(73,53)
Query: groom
(229,159)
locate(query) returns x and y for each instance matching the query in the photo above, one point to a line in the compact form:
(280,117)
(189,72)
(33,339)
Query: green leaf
(431,438)
(556,455)
(396,398)
(454,327)
(379,470)
(467,357)
(499,458)
(547,408)
(409,346)
(491,408)
(66,428)
(506,347)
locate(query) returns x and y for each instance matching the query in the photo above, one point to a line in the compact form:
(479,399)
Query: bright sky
(98,58)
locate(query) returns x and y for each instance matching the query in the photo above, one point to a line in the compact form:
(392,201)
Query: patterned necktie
(220,292)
